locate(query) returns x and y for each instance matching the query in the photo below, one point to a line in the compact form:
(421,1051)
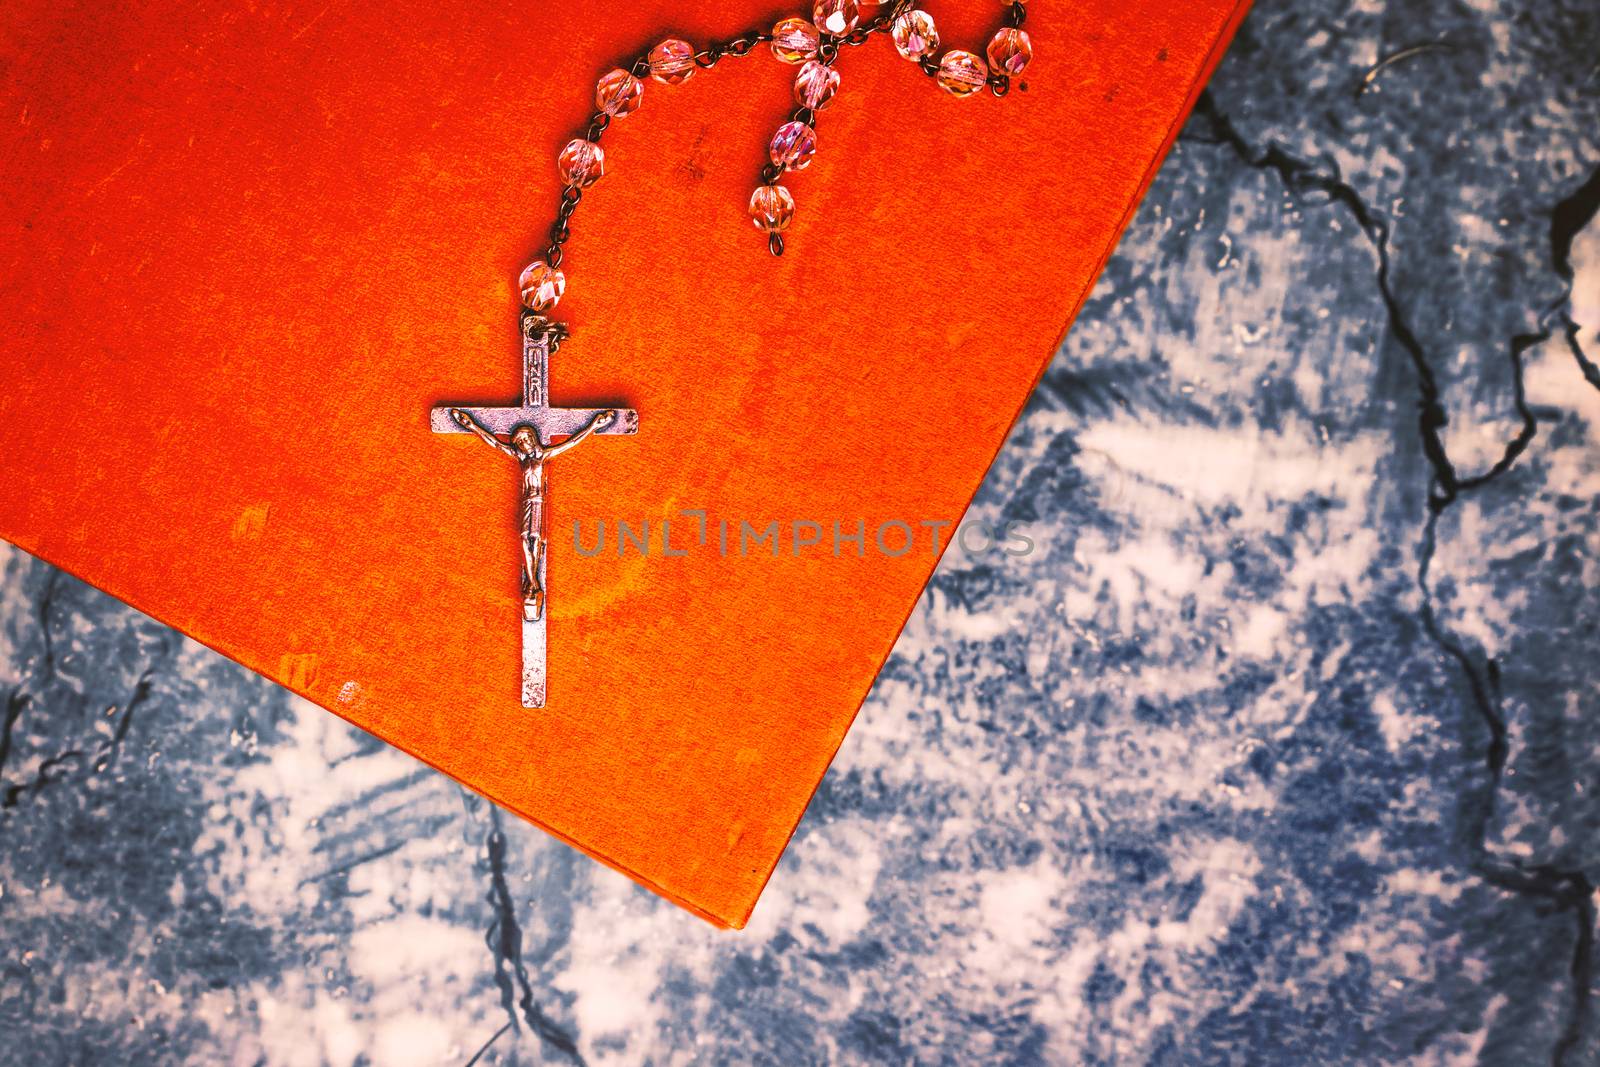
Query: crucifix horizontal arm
(550,422)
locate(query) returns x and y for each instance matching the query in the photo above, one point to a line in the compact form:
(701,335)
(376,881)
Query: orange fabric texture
(248,246)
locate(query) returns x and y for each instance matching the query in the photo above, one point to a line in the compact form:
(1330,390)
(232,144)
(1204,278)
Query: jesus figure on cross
(531,453)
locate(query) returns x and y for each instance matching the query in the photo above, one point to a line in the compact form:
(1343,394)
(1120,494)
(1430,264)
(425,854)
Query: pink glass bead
(672,61)
(771,208)
(542,286)
(962,73)
(795,40)
(620,93)
(1010,50)
(836,16)
(815,85)
(793,146)
(582,162)
(915,35)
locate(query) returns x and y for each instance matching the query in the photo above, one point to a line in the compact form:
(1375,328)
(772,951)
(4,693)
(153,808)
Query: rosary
(813,46)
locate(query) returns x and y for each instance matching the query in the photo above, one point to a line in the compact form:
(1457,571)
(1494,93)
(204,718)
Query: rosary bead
(672,61)
(962,73)
(915,35)
(771,208)
(815,85)
(837,17)
(793,146)
(582,162)
(542,286)
(620,93)
(795,40)
(1010,50)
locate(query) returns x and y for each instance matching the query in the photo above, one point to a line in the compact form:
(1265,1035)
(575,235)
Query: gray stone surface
(1281,748)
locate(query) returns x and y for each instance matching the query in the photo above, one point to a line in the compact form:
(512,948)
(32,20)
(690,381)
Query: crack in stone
(73,758)
(504,939)
(1298,176)
(20,700)
(108,752)
(16,704)
(1591,372)
(1569,218)
(1565,889)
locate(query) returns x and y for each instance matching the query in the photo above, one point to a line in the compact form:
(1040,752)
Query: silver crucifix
(529,428)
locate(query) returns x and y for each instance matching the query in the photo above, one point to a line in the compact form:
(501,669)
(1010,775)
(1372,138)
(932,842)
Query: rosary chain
(599,122)
(827,53)
(739,46)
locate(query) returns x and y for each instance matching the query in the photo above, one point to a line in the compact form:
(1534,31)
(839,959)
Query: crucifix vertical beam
(536,367)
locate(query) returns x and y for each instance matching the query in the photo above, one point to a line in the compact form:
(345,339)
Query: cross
(531,428)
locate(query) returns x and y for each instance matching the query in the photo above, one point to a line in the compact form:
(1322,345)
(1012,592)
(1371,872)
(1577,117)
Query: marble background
(1279,750)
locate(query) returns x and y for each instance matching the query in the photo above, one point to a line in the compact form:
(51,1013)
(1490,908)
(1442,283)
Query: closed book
(249,249)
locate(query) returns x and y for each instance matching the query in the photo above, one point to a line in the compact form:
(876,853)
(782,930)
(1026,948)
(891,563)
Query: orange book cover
(249,247)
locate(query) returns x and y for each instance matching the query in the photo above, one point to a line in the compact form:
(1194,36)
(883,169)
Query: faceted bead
(1009,51)
(771,208)
(672,61)
(815,85)
(582,162)
(795,40)
(620,93)
(915,35)
(837,17)
(542,286)
(793,146)
(962,73)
